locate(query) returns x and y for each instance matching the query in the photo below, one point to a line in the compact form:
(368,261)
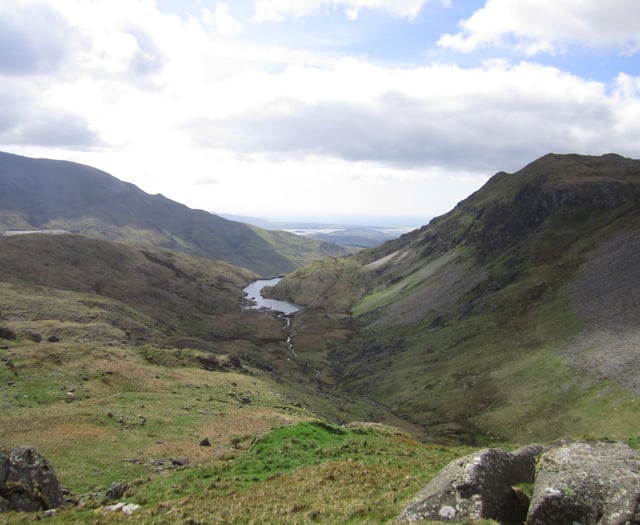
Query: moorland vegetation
(511,319)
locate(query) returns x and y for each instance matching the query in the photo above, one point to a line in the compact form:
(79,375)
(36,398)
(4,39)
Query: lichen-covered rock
(27,481)
(587,483)
(478,486)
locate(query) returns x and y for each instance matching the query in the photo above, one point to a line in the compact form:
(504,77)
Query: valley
(470,326)
(512,319)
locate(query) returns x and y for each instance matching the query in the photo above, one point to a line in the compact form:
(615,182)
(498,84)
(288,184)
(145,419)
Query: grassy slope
(149,296)
(462,326)
(302,472)
(48,194)
(133,410)
(298,249)
(87,290)
(112,400)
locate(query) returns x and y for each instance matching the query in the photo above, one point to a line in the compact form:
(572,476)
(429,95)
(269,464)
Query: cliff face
(509,207)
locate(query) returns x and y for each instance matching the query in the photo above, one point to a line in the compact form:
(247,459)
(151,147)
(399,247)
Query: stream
(285,309)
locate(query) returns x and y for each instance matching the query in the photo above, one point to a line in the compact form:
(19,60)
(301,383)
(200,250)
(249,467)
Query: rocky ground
(565,482)
(609,305)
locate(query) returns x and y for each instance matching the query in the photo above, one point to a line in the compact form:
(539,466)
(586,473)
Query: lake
(254,295)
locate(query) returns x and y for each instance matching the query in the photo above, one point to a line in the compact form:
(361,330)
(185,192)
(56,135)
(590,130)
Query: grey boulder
(575,483)
(27,481)
(587,483)
(478,486)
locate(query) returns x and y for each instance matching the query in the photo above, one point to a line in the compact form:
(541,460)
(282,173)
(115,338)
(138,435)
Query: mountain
(514,316)
(76,287)
(135,370)
(50,194)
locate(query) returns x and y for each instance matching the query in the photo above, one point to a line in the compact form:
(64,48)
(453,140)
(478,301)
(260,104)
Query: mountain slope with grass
(514,316)
(49,194)
(509,320)
(139,367)
(61,285)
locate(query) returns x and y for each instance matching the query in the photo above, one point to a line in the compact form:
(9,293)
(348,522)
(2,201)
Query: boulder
(27,481)
(7,333)
(116,490)
(478,486)
(587,483)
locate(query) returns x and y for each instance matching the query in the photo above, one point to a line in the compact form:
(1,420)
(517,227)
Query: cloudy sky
(280,108)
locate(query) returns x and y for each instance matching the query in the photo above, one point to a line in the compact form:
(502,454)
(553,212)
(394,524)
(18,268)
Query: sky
(318,108)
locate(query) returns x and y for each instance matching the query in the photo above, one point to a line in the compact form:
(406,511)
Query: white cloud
(535,26)
(34,38)
(475,119)
(132,91)
(275,10)
(26,119)
(221,19)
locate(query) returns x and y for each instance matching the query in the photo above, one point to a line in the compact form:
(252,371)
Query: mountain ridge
(44,193)
(458,323)
(136,368)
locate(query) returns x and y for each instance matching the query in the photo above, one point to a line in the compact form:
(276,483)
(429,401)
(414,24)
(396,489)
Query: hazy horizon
(392,221)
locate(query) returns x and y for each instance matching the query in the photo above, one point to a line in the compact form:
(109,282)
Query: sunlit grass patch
(311,472)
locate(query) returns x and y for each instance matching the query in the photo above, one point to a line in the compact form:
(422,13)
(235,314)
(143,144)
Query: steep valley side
(513,317)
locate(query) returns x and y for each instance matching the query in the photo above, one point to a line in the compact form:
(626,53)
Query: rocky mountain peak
(510,206)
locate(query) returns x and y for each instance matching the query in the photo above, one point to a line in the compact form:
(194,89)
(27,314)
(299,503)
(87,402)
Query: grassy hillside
(49,194)
(301,253)
(103,414)
(84,290)
(116,363)
(135,295)
(512,317)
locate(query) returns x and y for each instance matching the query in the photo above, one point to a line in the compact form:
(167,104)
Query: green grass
(496,372)
(634,442)
(103,412)
(298,249)
(310,472)
(302,471)
(403,287)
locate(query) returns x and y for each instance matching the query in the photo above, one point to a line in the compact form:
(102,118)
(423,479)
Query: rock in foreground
(27,481)
(478,486)
(587,483)
(573,482)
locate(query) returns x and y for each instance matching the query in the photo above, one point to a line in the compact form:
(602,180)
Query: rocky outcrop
(478,486)
(573,482)
(587,483)
(27,481)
